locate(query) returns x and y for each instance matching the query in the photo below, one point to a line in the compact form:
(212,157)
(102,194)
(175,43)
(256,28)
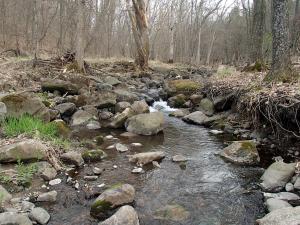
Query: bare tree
(281,62)
(139,24)
(80,35)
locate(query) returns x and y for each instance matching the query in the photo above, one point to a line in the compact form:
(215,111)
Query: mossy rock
(184,86)
(99,140)
(62,128)
(93,155)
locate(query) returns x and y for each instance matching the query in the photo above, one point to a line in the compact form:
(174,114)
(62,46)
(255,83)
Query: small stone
(12,218)
(216,132)
(285,196)
(109,137)
(156,164)
(90,178)
(121,148)
(115,166)
(97,171)
(72,157)
(101,185)
(138,170)
(179,158)
(274,204)
(39,215)
(47,197)
(297,183)
(55,182)
(136,144)
(110,147)
(289,187)
(4,195)
(76,186)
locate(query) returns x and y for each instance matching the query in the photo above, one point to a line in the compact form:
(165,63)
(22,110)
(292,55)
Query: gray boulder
(81,118)
(285,216)
(125,96)
(277,175)
(197,117)
(111,198)
(126,215)
(59,85)
(140,107)
(73,158)
(66,109)
(12,218)
(24,150)
(46,171)
(274,204)
(297,183)
(146,124)
(39,215)
(207,107)
(112,81)
(103,99)
(242,153)
(5,196)
(146,157)
(119,119)
(18,104)
(121,106)
(47,197)
(179,113)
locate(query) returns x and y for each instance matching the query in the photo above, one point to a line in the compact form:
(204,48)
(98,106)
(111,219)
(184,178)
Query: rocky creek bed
(126,164)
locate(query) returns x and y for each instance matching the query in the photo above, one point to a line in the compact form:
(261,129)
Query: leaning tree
(139,22)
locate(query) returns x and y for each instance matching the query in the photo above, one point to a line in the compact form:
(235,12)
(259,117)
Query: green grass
(33,127)
(25,173)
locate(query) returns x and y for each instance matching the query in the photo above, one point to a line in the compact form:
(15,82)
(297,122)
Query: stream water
(211,191)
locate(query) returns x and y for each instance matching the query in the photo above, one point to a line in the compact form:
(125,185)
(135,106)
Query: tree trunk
(140,31)
(281,69)
(198,56)
(296,29)
(258,25)
(211,47)
(80,35)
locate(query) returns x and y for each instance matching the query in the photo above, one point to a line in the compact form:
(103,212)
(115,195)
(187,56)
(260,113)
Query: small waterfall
(161,106)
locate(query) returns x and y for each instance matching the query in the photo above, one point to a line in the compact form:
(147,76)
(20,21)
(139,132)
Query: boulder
(284,216)
(66,109)
(18,104)
(5,196)
(185,86)
(12,218)
(119,119)
(140,107)
(111,198)
(277,175)
(297,183)
(121,148)
(47,197)
(179,113)
(121,106)
(177,101)
(285,196)
(125,96)
(81,118)
(223,103)
(147,157)
(207,107)
(179,158)
(40,215)
(103,99)
(3,111)
(198,118)
(73,158)
(64,87)
(196,99)
(274,204)
(24,151)
(242,153)
(112,81)
(93,155)
(126,215)
(173,212)
(146,124)
(46,171)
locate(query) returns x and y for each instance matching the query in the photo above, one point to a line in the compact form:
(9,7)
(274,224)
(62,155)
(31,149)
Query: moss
(99,140)
(185,86)
(248,145)
(93,155)
(100,206)
(115,186)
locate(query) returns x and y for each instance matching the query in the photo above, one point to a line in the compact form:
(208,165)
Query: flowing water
(211,191)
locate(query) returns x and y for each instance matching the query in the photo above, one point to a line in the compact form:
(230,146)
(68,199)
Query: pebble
(110,147)
(138,170)
(27,206)
(216,132)
(109,137)
(101,185)
(115,166)
(121,148)
(156,164)
(97,171)
(289,187)
(90,178)
(136,145)
(54,182)
(179,158)
(76,186)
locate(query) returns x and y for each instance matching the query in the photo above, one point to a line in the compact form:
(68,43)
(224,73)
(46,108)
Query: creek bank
(121,102)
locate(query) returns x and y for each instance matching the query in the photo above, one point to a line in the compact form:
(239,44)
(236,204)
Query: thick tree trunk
(281,62)
(80,35)
(258,27)
(140,31)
